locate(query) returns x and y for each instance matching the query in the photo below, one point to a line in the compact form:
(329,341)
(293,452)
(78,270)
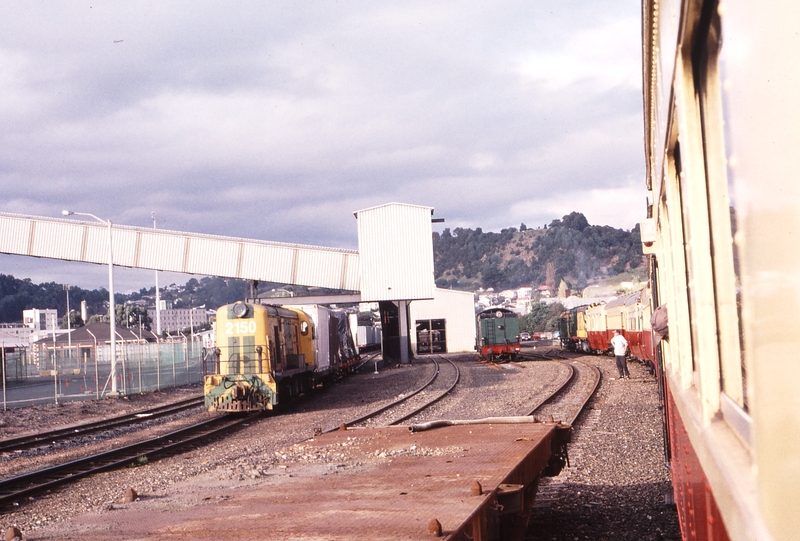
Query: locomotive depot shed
(386,483)
(393,265)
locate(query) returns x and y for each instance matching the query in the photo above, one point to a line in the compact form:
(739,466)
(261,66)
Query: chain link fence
(84,373)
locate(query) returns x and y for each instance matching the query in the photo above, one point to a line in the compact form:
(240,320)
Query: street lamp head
(67,212)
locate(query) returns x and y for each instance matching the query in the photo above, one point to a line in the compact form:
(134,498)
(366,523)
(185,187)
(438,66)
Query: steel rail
(435,400)
(595,384)
(392,404)
(15,489)
(368,357)
(560,386)
(24,442)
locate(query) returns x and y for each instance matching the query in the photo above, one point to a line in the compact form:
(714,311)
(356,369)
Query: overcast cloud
(277,120)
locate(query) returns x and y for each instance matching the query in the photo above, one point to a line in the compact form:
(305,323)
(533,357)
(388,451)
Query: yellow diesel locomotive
(268,354)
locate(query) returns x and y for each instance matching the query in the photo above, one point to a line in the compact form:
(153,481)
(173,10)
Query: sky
(277,120)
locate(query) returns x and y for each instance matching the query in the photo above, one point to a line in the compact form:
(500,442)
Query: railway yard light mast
(158,296)
(69,325)
(112,312)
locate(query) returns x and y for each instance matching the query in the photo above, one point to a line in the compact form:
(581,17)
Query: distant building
(524,293)
(522,306)
(43,323)
(178,319)
(509,294)
(207,338)
(40,320)
(544,291)
(18,332)
(85,341)
(485,301)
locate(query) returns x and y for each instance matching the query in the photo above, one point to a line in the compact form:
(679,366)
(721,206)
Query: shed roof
(11,341)
(99,332)
(356,213)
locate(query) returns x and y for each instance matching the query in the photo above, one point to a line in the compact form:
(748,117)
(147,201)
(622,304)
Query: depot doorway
(431,336)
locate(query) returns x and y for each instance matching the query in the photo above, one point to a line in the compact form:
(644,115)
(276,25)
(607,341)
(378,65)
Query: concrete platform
(372,483)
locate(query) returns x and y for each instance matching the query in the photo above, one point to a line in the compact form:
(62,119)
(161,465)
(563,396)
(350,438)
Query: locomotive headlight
(239,309)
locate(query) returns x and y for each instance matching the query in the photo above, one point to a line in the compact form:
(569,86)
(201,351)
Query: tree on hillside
(578,252)
(94,318)
(17,295)
(128,315)
(542,317)
(492,275)
(575,220)
(550,277)
(75,321)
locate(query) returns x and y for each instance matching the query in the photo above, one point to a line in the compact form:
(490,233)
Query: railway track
(569,395)
(571,391)
(15,490)
(563,403)
(368,359)
(566,403)
(32,440)
(415,401)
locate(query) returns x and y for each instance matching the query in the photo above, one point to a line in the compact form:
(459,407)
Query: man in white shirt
(620,348)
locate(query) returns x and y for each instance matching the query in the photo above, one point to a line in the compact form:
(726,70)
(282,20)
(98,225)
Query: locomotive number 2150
(240,327)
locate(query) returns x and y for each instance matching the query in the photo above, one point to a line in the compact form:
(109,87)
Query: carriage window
(721,206)
(687,246)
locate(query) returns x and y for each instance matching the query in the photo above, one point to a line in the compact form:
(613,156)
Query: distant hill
(570,249)
(17,295)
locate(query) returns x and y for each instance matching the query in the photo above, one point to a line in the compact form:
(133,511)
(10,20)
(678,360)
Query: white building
(444,324)
(41,322)
(178,319)
(509,294)
(17,332)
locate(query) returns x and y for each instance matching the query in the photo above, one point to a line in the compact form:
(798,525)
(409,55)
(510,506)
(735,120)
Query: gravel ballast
(618,485)
(614,489)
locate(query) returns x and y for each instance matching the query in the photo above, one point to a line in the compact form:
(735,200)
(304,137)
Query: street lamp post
(112,312)
(158,295)
(69,327)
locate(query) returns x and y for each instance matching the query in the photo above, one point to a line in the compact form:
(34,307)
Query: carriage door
(431,336)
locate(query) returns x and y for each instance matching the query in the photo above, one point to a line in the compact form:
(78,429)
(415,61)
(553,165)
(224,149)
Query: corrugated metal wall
(192,253)
(396,246)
